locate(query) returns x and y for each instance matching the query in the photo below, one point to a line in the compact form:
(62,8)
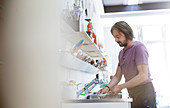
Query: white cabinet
(97,105)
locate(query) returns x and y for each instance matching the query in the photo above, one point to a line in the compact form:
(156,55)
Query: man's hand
(103,90)
(116,89)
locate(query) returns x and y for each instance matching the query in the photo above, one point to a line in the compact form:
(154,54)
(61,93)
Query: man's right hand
(103,90)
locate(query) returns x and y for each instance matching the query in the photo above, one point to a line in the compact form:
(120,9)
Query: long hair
(123,27)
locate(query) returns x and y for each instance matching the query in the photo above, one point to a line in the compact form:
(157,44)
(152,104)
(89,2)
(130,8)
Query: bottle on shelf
(94,36)
(90,31)
(89,28)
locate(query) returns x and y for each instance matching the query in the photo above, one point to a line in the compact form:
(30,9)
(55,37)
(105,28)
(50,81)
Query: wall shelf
(72,62)
(89,47)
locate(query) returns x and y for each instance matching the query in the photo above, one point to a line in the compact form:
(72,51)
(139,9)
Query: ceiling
(111,6)
(124,2)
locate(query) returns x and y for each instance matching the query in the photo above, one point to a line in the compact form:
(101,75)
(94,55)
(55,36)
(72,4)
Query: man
(133,64)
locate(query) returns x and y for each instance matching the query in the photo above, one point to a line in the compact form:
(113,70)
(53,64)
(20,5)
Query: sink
(94,98)
(108,96)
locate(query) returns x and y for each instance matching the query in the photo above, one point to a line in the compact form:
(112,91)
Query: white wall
(94,11)
(111,47)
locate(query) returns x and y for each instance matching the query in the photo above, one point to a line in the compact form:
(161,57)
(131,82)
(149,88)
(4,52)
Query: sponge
(104,85)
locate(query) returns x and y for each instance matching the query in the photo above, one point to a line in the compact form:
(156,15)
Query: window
(157,40)
(152,33)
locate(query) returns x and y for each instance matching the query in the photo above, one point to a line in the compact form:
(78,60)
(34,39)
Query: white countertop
(98,100)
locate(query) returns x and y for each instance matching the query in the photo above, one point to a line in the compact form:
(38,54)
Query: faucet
(89,86)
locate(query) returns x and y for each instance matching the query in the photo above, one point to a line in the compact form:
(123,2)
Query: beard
(122,44)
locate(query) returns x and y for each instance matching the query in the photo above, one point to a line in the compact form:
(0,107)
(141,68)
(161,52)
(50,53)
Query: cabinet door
(97,105)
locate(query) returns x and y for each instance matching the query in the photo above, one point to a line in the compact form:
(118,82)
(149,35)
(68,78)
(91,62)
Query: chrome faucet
(89,86)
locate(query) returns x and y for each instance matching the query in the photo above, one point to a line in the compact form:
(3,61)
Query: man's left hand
(116,89)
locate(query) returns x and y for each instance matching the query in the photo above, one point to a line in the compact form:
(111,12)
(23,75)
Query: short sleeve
(119,58)
(141,55)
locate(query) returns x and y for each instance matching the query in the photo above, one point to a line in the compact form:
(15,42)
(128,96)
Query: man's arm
(114,81)
(137,80)
(116,78)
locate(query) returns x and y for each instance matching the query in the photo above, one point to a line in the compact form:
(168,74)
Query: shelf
(89,47)
(71,62)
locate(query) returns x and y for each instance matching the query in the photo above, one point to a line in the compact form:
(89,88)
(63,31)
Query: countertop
(97,100)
